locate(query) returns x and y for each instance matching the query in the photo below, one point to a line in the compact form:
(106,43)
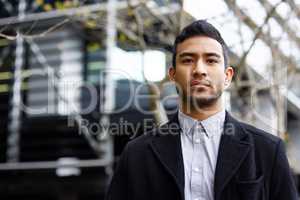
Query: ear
(229,72)
(171,73)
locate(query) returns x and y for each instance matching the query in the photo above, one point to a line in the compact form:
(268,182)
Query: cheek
(218,79)
(183,76)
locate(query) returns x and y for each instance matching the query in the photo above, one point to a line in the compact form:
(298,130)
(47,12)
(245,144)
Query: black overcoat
(251,165)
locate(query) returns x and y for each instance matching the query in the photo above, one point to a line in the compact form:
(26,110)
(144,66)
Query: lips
(200,83)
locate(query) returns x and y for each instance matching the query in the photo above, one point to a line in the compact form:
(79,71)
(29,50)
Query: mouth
(200,83)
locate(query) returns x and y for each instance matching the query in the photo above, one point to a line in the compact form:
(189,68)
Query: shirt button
(197,140)
(196,169)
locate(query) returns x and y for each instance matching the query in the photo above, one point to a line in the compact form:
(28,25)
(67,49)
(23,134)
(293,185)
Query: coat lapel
(167,148)
(233,150)
(234,147)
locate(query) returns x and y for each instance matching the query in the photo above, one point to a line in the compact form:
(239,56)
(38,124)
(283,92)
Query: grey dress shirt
(200,143)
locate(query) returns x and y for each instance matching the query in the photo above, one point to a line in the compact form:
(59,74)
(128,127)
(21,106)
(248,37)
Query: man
(203,152)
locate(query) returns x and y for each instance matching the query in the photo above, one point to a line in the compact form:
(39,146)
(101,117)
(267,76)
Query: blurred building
(59,134)
(53,87)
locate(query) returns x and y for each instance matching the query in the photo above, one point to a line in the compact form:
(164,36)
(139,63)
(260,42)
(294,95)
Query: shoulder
(142,141)
(262,140)
(167,129)
(260,134)
(251,134)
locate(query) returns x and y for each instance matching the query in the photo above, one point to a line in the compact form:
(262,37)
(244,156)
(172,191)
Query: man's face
(200,73)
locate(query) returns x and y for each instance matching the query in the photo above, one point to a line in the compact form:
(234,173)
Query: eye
(187,61)
(212,61)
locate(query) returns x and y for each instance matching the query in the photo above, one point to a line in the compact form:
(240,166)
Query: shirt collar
(212,125)
(186,122)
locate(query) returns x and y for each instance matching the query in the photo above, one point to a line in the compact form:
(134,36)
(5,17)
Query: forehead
(199,45)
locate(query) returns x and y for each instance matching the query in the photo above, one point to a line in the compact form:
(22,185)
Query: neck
(202,113)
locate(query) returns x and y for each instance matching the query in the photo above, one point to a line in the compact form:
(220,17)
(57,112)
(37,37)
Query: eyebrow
(209,54)
(186,54)
(212,55)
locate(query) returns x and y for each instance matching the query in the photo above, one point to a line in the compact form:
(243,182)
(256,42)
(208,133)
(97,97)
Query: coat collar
(233,149)
(166,145)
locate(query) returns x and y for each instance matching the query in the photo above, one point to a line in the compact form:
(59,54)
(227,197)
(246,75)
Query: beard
(195,102)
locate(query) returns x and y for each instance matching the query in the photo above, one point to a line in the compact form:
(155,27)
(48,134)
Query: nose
(200,69)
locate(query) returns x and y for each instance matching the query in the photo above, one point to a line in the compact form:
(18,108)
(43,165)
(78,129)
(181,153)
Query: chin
(202,100)
(201,95)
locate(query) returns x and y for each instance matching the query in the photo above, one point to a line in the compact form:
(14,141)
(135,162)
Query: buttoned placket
(198,162)
(200,141)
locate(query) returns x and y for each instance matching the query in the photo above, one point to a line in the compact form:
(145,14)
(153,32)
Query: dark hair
(200,28)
